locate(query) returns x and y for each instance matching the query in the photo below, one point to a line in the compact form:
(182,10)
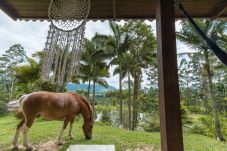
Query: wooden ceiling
(115,9)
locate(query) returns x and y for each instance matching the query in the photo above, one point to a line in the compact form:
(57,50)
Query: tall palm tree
(93,68)
(127,68)
(142,47)
(115,46)
(216,31)
(86,64)
(99,71)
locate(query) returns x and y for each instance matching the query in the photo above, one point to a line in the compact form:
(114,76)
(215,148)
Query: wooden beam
(114,10)
(170,116)
(6,8)
(219,8)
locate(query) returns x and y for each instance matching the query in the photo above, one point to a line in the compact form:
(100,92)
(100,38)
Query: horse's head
(86,111)
(87,128)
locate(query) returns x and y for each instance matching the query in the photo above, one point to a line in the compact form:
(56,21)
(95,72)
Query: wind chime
(64,41)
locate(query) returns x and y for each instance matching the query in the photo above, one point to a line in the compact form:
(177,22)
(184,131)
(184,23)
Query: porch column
(170,117)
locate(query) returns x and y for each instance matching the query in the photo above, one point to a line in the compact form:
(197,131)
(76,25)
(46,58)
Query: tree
(216,30)
(26,76)
(192,81)
(12,58)
(127,67)
(86,64)
(142,47)
(28,73)
(114,47)
(93,68)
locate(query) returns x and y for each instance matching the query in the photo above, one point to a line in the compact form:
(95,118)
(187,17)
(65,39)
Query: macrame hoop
(56,17)
(64,41)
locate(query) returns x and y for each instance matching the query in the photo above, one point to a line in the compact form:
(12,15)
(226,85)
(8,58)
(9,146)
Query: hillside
(72,87)
(45,132)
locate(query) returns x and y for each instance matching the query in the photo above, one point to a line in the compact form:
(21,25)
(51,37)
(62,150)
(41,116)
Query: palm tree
(99,71)
(115,46)
(26,76)
(127,67)
(142,48)
(215,30)
(86,64)
(93,68)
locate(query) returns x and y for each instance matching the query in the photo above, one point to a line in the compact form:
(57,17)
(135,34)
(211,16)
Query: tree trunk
(11,90)
(88,89)
(6,93)
(225,102)
(219,136)
(205,99)
(129,104)
(93,101)
(135,99)
(120,99)
(188,95)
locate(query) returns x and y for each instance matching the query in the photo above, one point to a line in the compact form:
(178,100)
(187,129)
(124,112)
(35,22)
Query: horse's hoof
(15,148)
(60,143)
(71,137)
(29,148)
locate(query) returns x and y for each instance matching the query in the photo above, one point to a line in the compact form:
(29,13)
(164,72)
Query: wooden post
(170,117)
(114,10)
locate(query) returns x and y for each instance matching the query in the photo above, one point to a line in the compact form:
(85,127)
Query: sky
(32,36)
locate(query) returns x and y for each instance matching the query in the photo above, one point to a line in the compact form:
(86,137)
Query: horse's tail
(19,112)
(21,99)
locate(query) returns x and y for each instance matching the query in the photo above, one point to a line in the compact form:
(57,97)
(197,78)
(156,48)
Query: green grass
(43,131)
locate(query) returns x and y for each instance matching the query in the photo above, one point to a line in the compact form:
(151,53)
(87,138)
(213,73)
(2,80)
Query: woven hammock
(64,41)
(221,54)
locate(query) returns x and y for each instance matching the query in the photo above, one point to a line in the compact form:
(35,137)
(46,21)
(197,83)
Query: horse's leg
(28,124)
(19,127)
(60,140)
(70,128)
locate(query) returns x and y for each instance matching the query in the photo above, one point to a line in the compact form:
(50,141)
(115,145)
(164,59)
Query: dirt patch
(146,148)
(48,146)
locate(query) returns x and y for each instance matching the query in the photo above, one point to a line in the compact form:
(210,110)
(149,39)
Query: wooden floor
(91,148)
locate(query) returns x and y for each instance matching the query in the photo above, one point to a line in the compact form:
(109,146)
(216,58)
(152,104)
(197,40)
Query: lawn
(43,131)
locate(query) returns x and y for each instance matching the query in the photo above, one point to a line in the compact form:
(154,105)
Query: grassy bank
(43,131)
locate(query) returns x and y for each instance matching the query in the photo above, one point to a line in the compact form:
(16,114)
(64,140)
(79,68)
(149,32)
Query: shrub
(184,114)
(151,126)
(106,113)
(150,123)
(206,127)
(3,108)
(48,86)
(197,129)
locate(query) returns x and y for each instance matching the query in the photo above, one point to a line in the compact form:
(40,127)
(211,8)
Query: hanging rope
(64,41)
(221,54)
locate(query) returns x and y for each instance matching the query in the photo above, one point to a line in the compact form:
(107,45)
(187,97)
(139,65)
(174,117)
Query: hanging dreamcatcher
(64,41)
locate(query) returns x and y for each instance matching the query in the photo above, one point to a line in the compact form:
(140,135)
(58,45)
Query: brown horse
(53,106)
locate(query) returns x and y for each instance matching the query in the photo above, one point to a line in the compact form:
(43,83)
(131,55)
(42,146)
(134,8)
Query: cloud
(97,27)
(32,36)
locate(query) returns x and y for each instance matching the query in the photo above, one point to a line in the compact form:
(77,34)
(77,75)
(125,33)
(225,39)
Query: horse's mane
(88,105)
